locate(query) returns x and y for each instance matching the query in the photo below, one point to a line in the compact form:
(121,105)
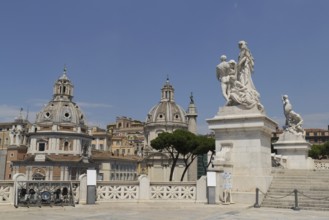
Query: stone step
(317,195)
(322,177)
(306,202)
(312,186)
(304,187)
(290,206)
(300,201)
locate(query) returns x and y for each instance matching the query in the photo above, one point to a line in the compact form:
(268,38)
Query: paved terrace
(155,211)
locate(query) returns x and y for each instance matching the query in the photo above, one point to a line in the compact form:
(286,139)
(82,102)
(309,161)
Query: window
(123,151)
(66,146)
(42,146)
(38,176)
(93,146)
(101,146)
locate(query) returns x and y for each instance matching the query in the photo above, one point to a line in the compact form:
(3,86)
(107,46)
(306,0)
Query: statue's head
(242,44)
(232,63)
(223,58)
(284,97)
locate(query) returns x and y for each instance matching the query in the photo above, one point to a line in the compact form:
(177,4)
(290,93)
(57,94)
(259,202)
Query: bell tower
(167,92)
(63,88)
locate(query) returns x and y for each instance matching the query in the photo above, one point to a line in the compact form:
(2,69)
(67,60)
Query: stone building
(167,116)
(101,139)
(59,141)
(13,143)
(127,136)
(317,135)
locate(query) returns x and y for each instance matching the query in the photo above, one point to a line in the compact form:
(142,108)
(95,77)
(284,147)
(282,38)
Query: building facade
(13,143)
(58,142)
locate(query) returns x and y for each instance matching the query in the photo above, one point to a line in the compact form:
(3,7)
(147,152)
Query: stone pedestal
(295,148)
(243,149)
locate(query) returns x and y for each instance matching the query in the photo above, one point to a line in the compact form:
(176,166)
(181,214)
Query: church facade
(59,141)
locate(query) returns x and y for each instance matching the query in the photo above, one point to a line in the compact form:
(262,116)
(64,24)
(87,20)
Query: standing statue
(236,82)
(245,66)
(226,74)
(294,121)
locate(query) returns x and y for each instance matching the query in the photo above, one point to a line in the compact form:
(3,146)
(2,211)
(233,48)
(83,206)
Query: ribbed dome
(58,112)
(166,112)
(61,109)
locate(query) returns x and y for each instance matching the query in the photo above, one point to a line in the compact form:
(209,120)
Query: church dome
(167,111)
(59,112)
(61,109)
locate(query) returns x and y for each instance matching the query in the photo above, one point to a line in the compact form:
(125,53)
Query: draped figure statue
(236,82)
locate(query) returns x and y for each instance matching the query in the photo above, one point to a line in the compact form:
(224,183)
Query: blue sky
(119,53)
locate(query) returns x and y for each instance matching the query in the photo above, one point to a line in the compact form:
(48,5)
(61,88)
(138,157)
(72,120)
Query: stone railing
(144,190)
(6,192)
(173,191)
(321,164)
(113,191)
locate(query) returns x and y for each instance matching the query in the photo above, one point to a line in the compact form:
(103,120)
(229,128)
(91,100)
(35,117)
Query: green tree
(205,144)
(165,142)
(182,144)
(196,145)
(319,150)
(316,151)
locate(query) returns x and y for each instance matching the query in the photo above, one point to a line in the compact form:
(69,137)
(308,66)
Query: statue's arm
(218,74)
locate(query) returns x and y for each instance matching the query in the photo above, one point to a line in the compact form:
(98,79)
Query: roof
(106,155)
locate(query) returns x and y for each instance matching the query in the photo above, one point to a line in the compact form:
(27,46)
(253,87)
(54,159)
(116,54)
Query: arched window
(66,146)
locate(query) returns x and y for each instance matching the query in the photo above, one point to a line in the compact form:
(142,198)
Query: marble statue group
(239,89)
(236,82)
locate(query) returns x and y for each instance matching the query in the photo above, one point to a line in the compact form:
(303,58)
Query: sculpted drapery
(236,81)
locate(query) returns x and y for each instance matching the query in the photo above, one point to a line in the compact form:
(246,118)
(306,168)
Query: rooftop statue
(236,82)
(294,121)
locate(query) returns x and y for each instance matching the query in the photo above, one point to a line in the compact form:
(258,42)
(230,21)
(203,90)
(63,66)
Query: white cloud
(9,113)
(38,102)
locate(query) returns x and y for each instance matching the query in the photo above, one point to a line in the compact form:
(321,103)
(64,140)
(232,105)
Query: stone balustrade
(6,192)
(121,191)
(321,164)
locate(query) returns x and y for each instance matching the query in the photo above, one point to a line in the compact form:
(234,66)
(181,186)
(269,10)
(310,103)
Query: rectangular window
(42,146)
(101,146)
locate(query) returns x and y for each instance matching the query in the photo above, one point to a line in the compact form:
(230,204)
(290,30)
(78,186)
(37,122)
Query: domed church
(59,142)
(166,116)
